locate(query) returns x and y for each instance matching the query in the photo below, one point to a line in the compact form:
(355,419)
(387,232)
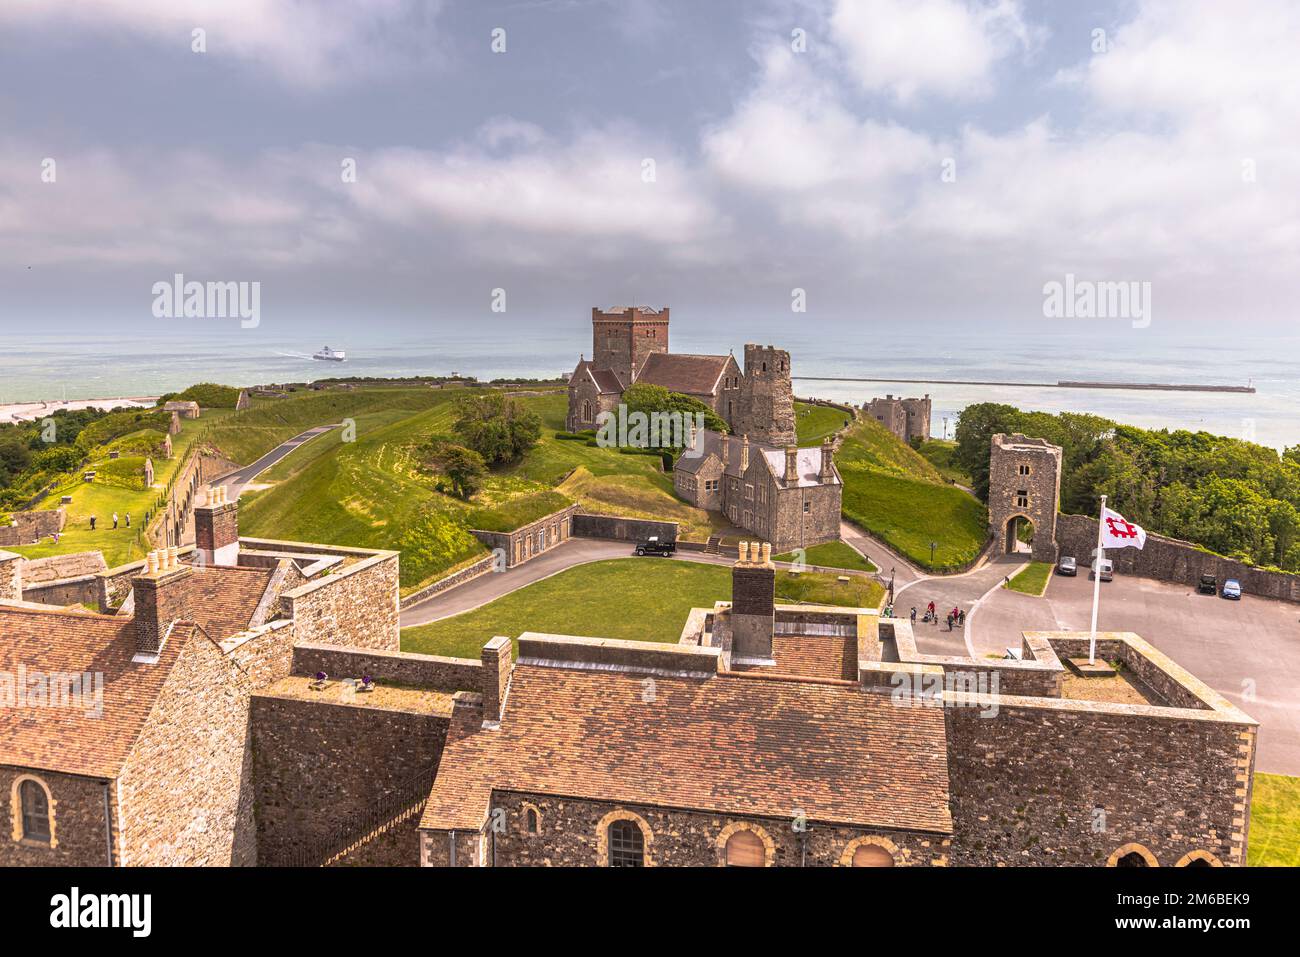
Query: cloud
(510,193)
(795,143)
(907,48)
(306,42)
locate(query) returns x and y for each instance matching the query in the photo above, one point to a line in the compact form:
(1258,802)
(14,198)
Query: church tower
(622,337)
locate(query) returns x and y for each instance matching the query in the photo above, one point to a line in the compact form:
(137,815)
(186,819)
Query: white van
(1107,569)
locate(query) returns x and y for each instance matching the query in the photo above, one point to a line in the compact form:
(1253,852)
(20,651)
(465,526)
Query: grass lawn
(900,497)
(814,422)
(939,454)
(602,599)
(123,544)
(832,555)
(1033,580)
(1274,822)
(368,492)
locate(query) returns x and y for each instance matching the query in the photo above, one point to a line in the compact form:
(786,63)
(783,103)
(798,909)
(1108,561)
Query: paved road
(1248,651)
(884,558)
(239,478)
(490,587)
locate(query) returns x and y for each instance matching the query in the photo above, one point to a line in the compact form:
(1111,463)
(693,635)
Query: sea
(36,367)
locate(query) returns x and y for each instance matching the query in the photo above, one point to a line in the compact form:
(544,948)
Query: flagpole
(1096,583)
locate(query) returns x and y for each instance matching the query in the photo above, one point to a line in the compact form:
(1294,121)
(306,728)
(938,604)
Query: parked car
(1232,589)
(1209,585)
(654,546)
(1068,565)
(1107,569)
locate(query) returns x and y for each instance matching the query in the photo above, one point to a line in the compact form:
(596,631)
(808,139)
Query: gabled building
(787,496)
(805,735)
(630,346)
(125,735)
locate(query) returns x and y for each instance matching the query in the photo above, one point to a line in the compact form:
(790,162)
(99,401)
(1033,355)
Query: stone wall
(186,791)
(573,833)
(481,567)
(356,606)
(11,577)
(318,763)
(622,529)
(27,528)
(78,815)
(396,667)
(67,591)
(529,541)
(1173,786)
(1169,559)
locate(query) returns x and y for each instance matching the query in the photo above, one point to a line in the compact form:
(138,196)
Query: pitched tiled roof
(67,739)
(688,374)
(808,461)
(606,380)
(732,744)
(223,599)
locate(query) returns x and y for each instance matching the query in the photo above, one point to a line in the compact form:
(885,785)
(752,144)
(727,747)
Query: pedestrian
(914,614)
(961,619)
(128,519)
(950,622)
(929,609)
(92,523)
(115,519)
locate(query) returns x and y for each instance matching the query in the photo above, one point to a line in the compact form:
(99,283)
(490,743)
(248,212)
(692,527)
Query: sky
(410,164)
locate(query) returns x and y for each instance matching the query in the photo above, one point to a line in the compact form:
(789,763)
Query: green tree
(463,469)
(498,428)
(651,399)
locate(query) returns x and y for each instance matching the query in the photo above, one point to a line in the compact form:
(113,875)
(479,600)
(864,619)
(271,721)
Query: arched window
(534,825)
(1132,855)
(745,849)
(626,845)
(872,855)
(586,410)
(36,812)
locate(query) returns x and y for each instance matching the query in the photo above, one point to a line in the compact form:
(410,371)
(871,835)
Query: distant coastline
(30,411)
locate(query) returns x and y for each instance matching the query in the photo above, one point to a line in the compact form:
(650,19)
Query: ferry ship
(329,354)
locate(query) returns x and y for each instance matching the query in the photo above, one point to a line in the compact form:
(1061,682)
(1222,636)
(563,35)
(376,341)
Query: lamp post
(933,546)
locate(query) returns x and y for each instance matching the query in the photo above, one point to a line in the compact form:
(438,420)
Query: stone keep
(1024,485)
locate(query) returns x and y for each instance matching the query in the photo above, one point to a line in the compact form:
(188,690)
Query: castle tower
(1024,486)
(766,396)
(622,337)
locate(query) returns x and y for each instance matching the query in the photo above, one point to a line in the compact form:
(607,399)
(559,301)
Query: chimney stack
(744,455)
(791,465)
(11,577)
(827,472)
(753,604)
(496,658)
(158,599)
(216,528)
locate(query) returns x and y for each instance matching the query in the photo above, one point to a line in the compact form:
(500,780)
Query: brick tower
(1024,486)
(766,412)
(622,337)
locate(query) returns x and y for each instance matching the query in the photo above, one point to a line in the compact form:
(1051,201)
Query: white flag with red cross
(1119,532)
